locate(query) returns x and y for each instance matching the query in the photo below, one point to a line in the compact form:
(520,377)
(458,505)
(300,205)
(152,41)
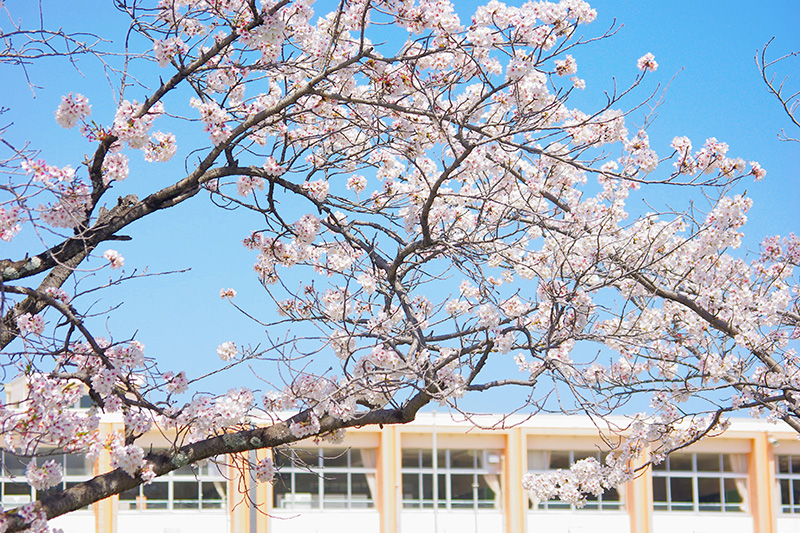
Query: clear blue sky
(705,52)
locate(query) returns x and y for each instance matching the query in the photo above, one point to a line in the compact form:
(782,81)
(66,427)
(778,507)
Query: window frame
(205,473)
(443,498)
(290,464)
(42,456)
(792,479)
(664,471)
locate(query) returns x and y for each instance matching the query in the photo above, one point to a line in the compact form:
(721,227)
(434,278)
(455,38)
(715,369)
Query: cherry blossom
(424,208)
(114,258)
(73,108)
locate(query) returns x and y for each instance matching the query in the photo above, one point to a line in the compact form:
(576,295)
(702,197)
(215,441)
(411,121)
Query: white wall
(788,525)
(462,521)
(579,522)
(360,521)
(75,522)
(701,523)
(170,522)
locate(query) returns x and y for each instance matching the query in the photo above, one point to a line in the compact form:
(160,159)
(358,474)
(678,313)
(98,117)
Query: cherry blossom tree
(427,208)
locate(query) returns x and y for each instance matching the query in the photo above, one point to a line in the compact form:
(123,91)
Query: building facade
(442,475)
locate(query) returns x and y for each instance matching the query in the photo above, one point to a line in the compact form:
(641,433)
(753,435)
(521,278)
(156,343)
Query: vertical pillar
(761,468)
(263,503)
(238,485)
(639,500)
(389,479)
(515,464)
(105,511)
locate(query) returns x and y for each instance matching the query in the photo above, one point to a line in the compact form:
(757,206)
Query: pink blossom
(265,470)
(28,323)
(161,147)
(72,109)
(129,458)
(247,184)
(227,351)
(166,49)
(647,62)
(318,189)
(272,167)
(176,383)
(115,259)
(115,167)
(9,223)
(566,66)
(357,183)
(230,294)
(756,170)
(45,476)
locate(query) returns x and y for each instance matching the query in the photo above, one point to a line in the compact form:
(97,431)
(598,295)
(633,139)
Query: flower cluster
(73,108)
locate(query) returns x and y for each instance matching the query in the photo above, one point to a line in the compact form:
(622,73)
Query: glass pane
(559,460)
(795,460)
(360,495)
(213,494)
(708,462)
(441,457)
(462,459)
(356,459)
(681,493)
(334,488)
(538,460)
(411,490)
(78,465)
(186,471)
(156,495)
(709,496)
(681,462)
(611,500)
(733,497)
(783,464)
(216,470)
(427,488)
(786,495)
(306,491)
(410,459)
(281,490)
(592,503)
(16,494)
(128,499)
(442,488)
(577,456)
(282,457)
(130,494)
(50,454)
(14,465)
(427,458)
(86,402)
(659,489)
(486,496)
(334,457)
(186,494)
(461,490)
(306,458)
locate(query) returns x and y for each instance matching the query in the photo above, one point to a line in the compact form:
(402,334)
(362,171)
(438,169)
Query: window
(789,481)
(189,487)
(459,479)
(324,478)
(15,488)
(714,482)
(544,461)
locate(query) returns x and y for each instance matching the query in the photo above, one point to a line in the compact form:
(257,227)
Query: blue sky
(712,88)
